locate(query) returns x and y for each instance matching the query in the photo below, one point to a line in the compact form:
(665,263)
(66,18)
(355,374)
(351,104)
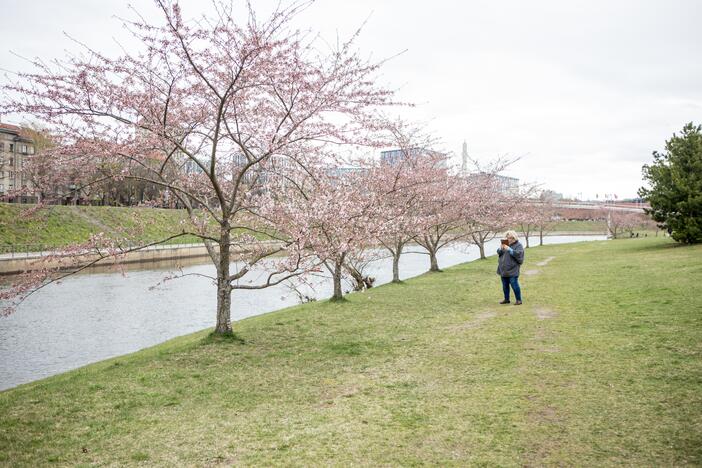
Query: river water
(91,317)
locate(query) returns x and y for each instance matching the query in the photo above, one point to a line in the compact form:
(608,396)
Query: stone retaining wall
(20,262)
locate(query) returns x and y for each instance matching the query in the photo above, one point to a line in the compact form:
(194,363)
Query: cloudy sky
(581,91)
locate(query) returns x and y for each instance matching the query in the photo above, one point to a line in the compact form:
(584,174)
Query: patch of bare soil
(545,262)
(544,314)
(532,272)
(332,393)
(476,322)
(543,417)
(537,344)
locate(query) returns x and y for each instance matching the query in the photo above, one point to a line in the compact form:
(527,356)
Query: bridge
(631,207)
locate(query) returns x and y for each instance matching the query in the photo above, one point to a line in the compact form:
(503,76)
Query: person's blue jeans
(511,281)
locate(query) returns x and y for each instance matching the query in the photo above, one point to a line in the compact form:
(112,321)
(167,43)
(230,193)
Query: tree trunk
(396,263)
(527,239)
(541,237)
(224,288)
(338,294)
(481,247)
(434,263)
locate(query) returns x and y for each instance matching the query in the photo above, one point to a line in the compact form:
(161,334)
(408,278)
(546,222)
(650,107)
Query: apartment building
(15,146)
(395,156)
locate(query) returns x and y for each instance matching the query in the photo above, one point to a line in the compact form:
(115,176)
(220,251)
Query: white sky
(582,91)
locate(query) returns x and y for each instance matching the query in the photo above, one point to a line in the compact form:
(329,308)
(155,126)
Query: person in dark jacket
(510,258)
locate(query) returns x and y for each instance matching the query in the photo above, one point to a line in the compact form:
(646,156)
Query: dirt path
(543,263)
(542,415)
(95,222)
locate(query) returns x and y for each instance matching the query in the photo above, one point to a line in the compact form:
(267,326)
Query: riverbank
(601,366)
(102,313)
(183,254)
(57,226)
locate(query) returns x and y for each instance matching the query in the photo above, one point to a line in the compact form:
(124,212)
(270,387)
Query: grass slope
(595,227)
(63,225)
(58,226)
(601,366)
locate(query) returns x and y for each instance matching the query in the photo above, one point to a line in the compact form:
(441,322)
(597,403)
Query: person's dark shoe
(518,303)
(504,302)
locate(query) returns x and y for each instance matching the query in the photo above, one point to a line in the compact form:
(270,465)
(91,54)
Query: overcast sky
(582,91)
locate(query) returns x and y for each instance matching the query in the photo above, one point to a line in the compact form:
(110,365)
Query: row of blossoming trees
(244,124)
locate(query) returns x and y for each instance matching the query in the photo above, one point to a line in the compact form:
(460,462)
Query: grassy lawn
(601,366)
(595,227)
(63,225)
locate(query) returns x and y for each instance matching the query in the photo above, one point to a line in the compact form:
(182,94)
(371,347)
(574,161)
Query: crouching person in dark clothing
(510,258)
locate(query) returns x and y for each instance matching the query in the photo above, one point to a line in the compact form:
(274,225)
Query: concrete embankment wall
(20,262)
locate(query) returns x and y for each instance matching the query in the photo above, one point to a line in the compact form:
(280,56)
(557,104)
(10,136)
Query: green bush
(675,192)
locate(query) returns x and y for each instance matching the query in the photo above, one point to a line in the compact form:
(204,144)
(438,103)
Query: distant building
(507,185)
(343,171)
(393,157)
(15,146)
(190,166)
(551,196)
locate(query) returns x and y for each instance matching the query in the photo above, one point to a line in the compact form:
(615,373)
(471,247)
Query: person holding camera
(510,258)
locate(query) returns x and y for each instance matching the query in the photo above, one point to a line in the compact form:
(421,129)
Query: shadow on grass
(337,300)
(644,245)
(401,284)
(218,338)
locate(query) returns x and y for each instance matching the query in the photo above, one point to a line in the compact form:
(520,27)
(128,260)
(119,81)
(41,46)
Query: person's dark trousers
(511,281)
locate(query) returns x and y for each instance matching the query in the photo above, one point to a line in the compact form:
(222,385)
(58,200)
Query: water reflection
(95,316)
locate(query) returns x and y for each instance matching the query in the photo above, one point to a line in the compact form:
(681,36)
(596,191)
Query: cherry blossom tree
(489,209)
(331,208)
(207,110)
(621,221)
(402,186)
(545,214)
(528,211)
(488,218)
(443,214)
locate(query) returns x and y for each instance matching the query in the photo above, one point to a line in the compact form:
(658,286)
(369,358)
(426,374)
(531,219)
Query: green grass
(601,366)
(63,225)
(57,226)
(579,226)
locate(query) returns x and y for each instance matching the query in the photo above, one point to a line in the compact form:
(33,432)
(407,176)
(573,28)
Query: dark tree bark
(481,247)
(434,263)
(336,274)
(396,262)
(224,288)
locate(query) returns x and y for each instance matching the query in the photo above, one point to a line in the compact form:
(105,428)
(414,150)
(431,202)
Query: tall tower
(464,155)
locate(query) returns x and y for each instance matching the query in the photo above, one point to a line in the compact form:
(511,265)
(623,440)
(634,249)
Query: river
(91,317)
